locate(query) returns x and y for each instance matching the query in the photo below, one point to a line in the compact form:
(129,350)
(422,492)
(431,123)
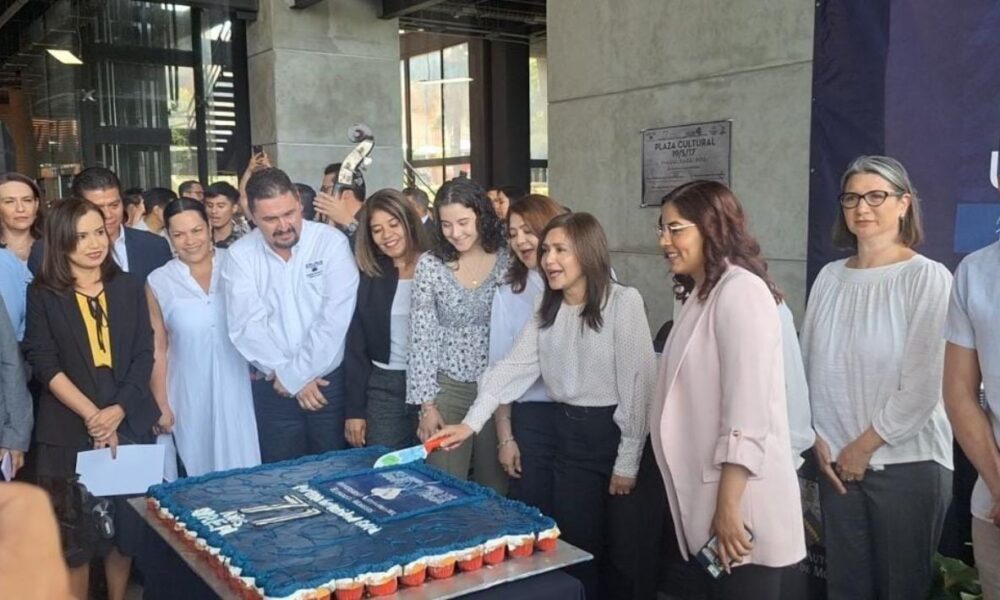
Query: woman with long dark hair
(390,239)
(90,346)
(200,380)
(719,421)
(590,343)
(453,288)
(524,427)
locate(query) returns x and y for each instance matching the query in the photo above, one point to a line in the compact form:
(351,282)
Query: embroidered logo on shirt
(314,269)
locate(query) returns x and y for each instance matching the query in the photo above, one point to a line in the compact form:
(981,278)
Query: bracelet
(504,442)
(425,407)
(506,418)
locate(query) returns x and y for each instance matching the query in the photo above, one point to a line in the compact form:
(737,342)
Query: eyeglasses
(672,229)
(873,198)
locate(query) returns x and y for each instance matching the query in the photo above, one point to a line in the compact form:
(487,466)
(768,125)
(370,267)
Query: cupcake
(547,539)
(471,559)
(495,552)
(320,593)
(442,567)
(521,546)
(415,573)
(349,589)
(383,584)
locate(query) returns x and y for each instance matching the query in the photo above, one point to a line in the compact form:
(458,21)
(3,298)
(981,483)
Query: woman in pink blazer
(718,421)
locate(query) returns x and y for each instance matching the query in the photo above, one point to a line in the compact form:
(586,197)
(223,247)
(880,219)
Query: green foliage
(954,580)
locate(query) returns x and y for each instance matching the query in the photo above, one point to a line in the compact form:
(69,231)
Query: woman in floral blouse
(453,289)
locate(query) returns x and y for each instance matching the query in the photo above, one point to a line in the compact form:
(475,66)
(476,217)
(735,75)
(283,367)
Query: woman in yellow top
(90,345)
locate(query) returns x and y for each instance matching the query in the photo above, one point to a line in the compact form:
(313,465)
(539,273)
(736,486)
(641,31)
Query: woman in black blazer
(390,239)
(90,345)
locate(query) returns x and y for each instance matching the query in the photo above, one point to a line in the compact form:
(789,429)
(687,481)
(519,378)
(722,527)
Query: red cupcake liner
(415,578)
(442,572)
(352,593)
(496,555)
(548,544)
(471,564)
(524,550)
(385,588)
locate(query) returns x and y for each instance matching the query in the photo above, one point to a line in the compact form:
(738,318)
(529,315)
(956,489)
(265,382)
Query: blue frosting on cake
(354,519)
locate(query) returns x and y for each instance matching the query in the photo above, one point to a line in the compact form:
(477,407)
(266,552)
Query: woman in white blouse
(590,343)
(200,381)
(526,446)
(873,350)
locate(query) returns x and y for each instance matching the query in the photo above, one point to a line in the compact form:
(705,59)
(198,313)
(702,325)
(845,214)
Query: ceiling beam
(392,9)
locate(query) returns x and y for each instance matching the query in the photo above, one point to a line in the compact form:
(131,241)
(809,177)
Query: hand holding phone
(708,556)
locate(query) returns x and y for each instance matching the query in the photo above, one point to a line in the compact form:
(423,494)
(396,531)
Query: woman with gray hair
(873,353)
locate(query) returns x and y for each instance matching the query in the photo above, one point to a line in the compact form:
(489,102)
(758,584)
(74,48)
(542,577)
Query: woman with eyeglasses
(90,345)
(719,420)
(873,350)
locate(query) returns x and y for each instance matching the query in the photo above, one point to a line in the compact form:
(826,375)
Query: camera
(101,511)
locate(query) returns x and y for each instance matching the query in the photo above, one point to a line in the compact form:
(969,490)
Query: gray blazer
(16,419)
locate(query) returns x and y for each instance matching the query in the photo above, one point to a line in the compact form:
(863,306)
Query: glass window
(455,85)
(538,106)
(154,98)
(437,127)
(426,111)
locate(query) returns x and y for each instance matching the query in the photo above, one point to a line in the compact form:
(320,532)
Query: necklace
(477,268)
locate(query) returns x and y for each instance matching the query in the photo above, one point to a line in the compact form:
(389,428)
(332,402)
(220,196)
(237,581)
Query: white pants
(986,547)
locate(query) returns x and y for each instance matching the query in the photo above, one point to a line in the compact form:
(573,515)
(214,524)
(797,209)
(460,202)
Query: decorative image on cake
(329,526)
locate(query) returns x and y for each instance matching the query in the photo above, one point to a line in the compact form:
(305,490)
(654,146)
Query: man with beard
(290,289)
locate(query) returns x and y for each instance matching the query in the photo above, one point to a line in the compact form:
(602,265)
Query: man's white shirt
(291,318)
(119,250)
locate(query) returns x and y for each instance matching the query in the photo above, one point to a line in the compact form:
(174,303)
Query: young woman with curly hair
(453,288)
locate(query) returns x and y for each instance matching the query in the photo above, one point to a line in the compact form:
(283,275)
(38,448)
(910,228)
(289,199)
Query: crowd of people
(271,321)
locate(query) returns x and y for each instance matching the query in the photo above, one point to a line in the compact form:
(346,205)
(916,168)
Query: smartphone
(708,557)
(257,149)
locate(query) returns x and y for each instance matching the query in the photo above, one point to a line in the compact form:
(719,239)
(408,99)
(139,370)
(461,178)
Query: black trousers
(750,582)
(586,441)
(533,425)
(286,430)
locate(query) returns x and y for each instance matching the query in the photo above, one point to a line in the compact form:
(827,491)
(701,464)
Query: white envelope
(135,468)
(7,467)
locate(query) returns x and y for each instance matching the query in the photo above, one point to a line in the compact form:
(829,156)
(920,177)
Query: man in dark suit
(136,252)
(423,205)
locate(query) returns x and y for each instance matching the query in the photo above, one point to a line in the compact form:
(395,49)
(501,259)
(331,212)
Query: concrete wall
(315,72)
(618,67)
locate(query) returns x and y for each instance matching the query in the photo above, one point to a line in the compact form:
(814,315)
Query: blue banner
(919,81)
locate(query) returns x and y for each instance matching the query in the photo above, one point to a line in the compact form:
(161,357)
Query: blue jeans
(286,430)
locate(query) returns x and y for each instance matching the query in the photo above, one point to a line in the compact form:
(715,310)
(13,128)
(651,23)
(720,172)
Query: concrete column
(316,71)
(511,122)
(619,67)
